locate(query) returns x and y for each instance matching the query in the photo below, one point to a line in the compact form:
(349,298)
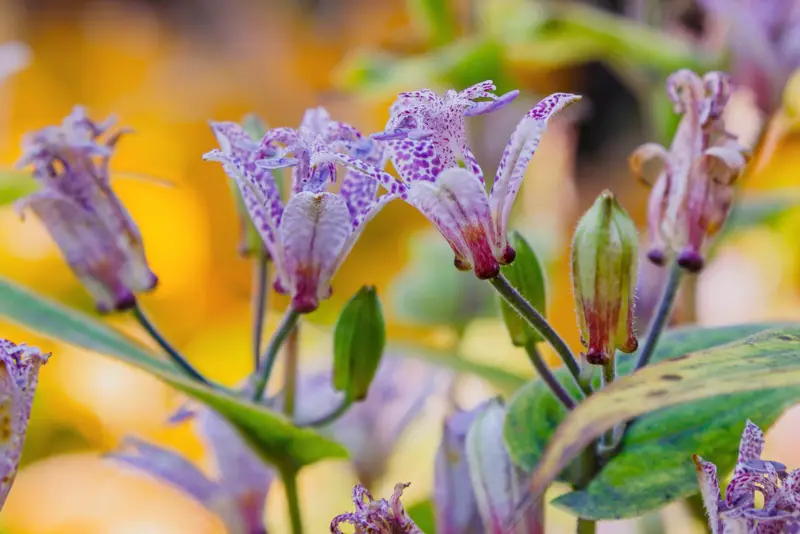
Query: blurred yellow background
(165,69)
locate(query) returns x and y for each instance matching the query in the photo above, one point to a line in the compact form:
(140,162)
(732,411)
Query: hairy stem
(540,324)
(290,375)
(661,317)
(184,365)
(271,354)
(547,376)
(260,285)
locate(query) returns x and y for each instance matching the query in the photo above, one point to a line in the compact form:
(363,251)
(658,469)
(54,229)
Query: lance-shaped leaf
(527,276)
(629,486)
(764,361)
(358,343)
(270,434)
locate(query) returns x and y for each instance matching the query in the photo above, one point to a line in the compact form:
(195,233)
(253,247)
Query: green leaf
(15,185)
(436,18)
(358,343)
(534,413)
(270,434)
(709,393)
(527,276)
(430,291)
(424,516)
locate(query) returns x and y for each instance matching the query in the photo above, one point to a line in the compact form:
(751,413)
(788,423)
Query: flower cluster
(737,512)
(427,144)
(693,180)
(19,375)
(310,235)
(97,236)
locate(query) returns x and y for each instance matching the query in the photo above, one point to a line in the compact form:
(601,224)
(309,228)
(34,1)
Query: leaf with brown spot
(766,361)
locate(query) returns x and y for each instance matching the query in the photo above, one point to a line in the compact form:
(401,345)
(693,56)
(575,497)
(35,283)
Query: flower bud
(604,258)
(358,343)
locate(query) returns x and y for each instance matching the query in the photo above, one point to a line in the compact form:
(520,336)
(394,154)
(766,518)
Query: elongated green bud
(604,261)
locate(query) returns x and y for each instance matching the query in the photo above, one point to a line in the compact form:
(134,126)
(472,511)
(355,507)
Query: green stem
(540,324)
(271,354)
(290,376)
(330,417)
(586,526)
(548,377)
(187,368)
(289,477)
(661,316)
(260,284)
(609,375)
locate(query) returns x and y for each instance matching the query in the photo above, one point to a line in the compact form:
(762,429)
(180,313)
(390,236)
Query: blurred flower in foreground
(309,237)
(453,496)
(97,236)
(427,142)
(14,56)
(499,485)
(370,429)
(237,496)
(765,40)
(604,256)
(377,517)
(19,374)
(738,512)
(693,180)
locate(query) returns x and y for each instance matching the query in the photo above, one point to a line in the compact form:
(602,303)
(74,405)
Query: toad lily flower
(498,484)
(765,40)
(693,180)
(428,147)
(377,517)
(237,495)
(737,513)
(94,231)
(19,375)
(309,237)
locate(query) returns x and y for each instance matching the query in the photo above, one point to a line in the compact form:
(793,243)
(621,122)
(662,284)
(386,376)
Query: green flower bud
(604,261)
(358,343)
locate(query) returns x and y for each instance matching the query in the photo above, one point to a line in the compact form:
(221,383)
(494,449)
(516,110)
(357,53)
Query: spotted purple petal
(709,491)
(457,204)
(482,108)
(314,230)
(19,376)
(516,156)
(88,247)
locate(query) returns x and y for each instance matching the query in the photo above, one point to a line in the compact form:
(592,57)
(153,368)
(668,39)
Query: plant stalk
(187,368)
(290,375)
(260,285)
(548,377)
(289,478)
(662,315)
(540,324)
(271,354)
(586,526)
(330,417)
